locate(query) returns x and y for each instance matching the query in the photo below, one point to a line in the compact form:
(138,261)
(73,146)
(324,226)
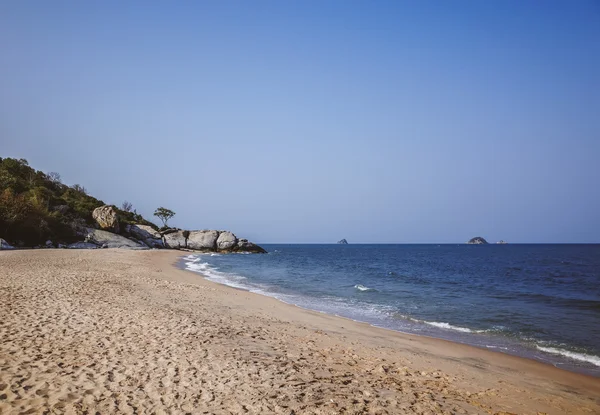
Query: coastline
(346,306)
(242,349)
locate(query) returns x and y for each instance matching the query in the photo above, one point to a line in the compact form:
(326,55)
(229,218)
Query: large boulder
(111,240)
(146,234)
(107,217)
(244,246)
(226,241)
(176,239)
(203,240)
(478,240)
(5,245)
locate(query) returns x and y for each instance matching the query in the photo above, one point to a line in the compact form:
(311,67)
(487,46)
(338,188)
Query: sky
(312,121)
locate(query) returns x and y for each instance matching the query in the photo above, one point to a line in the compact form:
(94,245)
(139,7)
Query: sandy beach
(118,331)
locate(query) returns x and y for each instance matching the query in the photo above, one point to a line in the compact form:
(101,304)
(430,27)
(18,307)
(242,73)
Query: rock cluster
(139,236)
(208,241)
(478,240)
(343,242)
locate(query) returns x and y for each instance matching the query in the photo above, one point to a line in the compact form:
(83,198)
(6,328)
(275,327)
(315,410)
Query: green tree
(164,214)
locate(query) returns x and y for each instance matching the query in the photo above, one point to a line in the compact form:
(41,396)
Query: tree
(126,206)
(79,188)
(54,177)
(164,214)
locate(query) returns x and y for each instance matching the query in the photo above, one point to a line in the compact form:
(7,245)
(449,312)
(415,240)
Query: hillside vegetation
(36,206)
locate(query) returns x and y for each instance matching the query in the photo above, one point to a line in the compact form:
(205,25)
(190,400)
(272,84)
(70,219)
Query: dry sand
(115,331)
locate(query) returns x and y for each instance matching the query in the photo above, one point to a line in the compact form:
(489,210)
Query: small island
(343,242)
(478,240)
(501,242)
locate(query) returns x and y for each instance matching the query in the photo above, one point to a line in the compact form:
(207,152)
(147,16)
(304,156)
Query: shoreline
(349,321)
(484,341)
(111,330)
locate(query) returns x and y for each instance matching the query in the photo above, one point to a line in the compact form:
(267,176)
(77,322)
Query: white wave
(448,326)
(361,287)
(215,254)
(582,357)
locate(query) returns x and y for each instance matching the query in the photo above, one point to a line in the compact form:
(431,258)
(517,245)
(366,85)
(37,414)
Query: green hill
(36,206)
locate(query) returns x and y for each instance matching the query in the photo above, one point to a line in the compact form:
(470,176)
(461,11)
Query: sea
(536,301)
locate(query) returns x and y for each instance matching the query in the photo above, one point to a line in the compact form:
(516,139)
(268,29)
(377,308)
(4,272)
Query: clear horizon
(377,122)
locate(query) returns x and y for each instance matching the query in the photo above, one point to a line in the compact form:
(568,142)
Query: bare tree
(54,177)
(79,188)
(126,206)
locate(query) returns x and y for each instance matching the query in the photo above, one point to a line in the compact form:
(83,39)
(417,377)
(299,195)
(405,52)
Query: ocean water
(537,301)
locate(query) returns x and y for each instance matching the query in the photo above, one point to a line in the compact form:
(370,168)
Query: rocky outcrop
(244,246)
(478,240)
(5,245)
(203,240)
(145,234)
(226,241)
(111,240)
(208,241)
(175,239)
(501,242)
(107,218)
(343,242)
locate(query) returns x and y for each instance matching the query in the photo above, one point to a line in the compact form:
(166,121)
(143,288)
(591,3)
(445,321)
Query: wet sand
(117,331)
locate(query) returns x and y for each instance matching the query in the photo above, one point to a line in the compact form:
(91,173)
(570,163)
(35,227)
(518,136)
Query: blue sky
(313,121)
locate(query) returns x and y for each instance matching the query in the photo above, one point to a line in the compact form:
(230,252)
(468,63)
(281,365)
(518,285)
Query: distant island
(501,242)
(478,240)
(37,210)
(343,242)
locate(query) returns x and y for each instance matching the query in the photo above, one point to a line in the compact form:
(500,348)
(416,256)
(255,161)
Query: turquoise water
(538,301)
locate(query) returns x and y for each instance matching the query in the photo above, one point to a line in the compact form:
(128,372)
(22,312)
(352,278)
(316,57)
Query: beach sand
(117,331)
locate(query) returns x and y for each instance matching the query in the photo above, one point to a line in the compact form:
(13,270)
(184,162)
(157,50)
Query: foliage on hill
(35,206)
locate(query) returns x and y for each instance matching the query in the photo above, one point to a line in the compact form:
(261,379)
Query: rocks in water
(107,218)
(111,240)
(203,240)
(343,242)
(501,242)
(5,245)
(145,234)
(226,241)
(244,246)
(208,241)
(478,240)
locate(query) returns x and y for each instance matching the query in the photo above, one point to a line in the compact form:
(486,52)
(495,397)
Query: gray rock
(146,234)
(82,245)
(343,242)
(175,240)
(203,240)
(5,245)
(49,244)
(107,217)
(478,240)
(244,246)
(226,241)
(61,246)
(501,242)
(111,240)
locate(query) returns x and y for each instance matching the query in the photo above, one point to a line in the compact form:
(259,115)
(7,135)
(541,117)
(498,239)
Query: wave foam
(449,326)
(361,287)
(582,357)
